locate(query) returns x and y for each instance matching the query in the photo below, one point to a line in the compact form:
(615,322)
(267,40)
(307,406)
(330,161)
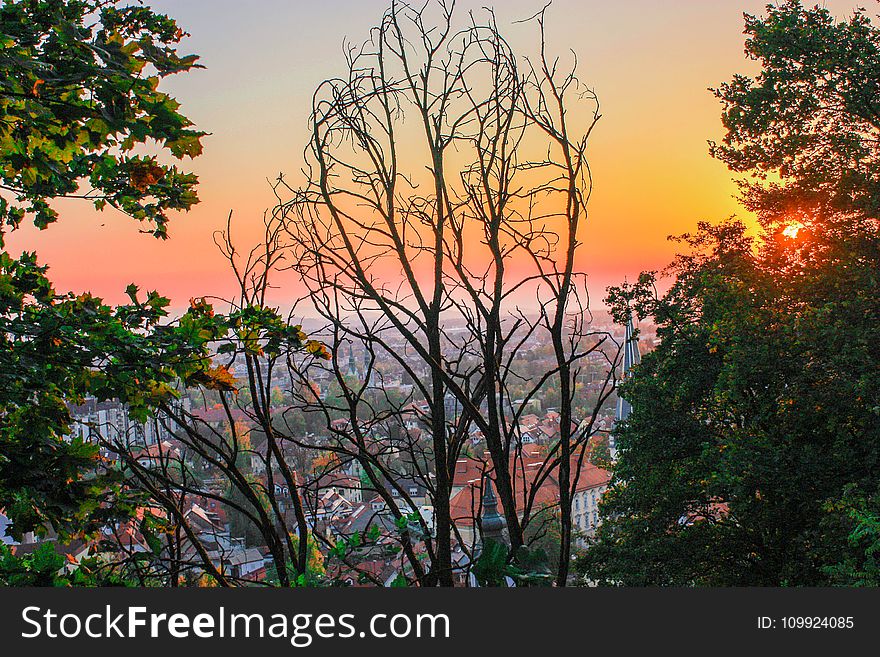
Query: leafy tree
(755,414)
(78,96)
(810,118)
(79,93)
(755,422)
(79,88)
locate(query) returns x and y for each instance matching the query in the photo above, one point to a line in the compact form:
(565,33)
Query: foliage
(78,90)
(758,410)
(526,566)
(44,566)
(861,567)
(755,422)
(78,94)
(491,567)
(811,117)
(40,568)
(314,576)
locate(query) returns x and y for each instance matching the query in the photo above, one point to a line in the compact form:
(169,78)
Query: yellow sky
(650,61)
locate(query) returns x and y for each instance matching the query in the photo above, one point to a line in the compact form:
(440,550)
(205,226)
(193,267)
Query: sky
(651,63)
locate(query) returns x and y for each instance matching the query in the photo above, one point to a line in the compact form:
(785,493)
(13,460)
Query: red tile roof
(531,486)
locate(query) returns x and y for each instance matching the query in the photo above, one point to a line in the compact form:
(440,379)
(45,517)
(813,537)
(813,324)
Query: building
(631,358)
(529,474)
(109,422)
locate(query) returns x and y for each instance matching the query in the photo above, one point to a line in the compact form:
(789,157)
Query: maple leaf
(201,306)
(215,378)
(317,349)
(144,174)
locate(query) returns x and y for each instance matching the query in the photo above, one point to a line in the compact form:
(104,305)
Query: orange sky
(650,61)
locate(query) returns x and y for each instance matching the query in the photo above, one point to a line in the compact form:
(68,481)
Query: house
(331,507)
(347,485)
(157,455)
(592,484)
(408,491)
(246,563)
(534,489)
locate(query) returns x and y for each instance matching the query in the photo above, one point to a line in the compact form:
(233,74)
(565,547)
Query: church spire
(631,357)
(352,367)
(492,523)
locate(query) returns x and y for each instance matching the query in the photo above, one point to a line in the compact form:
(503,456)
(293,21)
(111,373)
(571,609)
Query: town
(357,522)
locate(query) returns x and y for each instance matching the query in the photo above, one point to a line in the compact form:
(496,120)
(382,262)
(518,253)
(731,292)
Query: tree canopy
(78,94)
(751,456)
(806,127)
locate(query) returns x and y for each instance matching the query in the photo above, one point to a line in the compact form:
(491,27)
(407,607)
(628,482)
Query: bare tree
(445,185)
(436,236)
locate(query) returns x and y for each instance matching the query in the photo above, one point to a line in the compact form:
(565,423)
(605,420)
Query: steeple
(352,367)
(631,357)
(492,523)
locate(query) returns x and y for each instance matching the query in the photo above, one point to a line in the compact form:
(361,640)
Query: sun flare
(791,231)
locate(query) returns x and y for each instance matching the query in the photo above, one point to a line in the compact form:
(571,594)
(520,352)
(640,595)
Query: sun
(791,231)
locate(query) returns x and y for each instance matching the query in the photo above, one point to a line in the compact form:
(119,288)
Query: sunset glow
(791,231)
(650,63)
